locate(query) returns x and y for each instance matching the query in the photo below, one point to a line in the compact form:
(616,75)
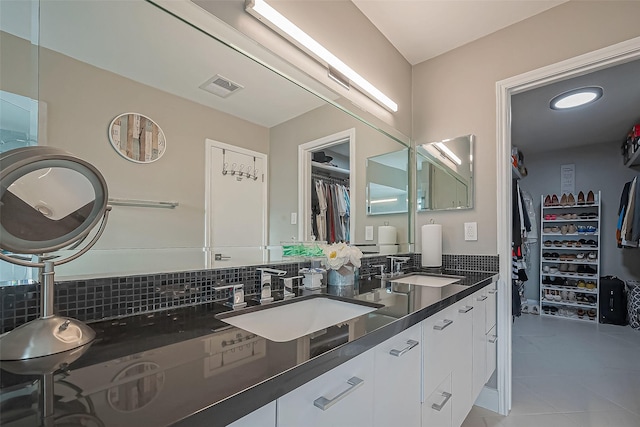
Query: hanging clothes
(628,227)
(331,216)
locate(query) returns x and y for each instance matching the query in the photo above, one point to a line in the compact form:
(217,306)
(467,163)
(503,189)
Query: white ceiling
(423,29)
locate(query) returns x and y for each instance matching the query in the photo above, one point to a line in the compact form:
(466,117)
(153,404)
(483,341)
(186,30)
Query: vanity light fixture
(272,18)
(384,200)
(576,97)
(448,153)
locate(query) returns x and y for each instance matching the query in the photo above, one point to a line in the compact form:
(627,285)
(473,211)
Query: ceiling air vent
(220,86)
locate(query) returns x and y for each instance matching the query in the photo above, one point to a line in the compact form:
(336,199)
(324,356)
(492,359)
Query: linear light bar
(447,152)
(384,200)
(260,9)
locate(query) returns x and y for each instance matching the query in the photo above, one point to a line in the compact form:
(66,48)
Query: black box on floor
(612,301)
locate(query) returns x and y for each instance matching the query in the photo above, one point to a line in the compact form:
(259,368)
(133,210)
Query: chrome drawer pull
(410,345)
(446,322)
(493,291)
(439,407)
(493,339)
(324,403)
(482,298)
(465,309)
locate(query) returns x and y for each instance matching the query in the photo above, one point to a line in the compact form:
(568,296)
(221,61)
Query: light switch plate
(471,231)
(368,232)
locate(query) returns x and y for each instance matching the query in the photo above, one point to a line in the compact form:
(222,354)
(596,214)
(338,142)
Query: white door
(236,205)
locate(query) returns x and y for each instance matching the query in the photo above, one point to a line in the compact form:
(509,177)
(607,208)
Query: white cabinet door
(397,385)
(479,301)
(340,397)
(439,338)
(492,348)
(462,375)
(262,417)
(491,306)
(436,409)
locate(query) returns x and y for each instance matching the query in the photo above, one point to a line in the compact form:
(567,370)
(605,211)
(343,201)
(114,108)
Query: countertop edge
(243,403)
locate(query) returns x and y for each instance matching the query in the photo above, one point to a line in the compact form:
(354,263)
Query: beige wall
(347,33)
(82,100)
(18,66)
(455,94)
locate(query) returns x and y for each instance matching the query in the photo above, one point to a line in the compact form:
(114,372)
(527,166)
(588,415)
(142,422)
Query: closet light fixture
(448,153)
(384,200)
(273,19)
(576,97)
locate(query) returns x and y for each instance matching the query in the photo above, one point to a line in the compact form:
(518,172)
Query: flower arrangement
(338,255)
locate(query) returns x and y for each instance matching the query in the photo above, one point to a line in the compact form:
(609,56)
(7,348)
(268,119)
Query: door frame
(599,59)
(208,208)
(304,178)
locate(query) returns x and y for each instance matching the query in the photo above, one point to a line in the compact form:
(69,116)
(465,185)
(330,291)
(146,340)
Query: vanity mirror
(444,174)
(173,70)
(388,183)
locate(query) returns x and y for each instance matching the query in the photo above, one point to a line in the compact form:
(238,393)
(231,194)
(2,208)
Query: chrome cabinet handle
(446,322)
(439,407)
(493,291)
(465,309)
(482,298)
(493,339)
(324,403)
(410,345)
(220,257)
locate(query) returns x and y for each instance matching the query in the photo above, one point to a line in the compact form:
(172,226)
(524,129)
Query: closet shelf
(331,169)
(592,205)
(570,234)
(634,160)
(571,220)
(570,289)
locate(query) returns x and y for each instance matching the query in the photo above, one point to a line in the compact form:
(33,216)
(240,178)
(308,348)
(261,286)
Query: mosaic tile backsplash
(105,298)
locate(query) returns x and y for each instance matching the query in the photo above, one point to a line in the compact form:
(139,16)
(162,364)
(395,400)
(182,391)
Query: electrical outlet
(368,232)
(471,231)
(294,218)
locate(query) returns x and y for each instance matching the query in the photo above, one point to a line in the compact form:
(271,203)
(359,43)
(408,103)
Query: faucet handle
(381,267)
(288,286)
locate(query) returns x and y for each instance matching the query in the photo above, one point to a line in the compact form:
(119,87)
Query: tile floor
(570,374)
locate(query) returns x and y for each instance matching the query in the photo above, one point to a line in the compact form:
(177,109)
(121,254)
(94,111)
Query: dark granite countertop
(187,367)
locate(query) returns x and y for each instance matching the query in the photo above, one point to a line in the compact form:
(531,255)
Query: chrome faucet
(288,286)
(265,283)
(236,300)
(396,264)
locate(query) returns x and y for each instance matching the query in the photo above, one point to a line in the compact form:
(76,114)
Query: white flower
(339,254)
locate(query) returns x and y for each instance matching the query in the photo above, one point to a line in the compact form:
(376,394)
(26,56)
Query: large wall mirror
(444,174)
(98,59)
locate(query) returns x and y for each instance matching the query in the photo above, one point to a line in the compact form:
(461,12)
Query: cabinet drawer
(492,296)
(436,409)
(440,338)
(397,387)
(340,397)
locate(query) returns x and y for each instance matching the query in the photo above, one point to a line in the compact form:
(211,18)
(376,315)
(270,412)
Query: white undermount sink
(427,280)
(290,320)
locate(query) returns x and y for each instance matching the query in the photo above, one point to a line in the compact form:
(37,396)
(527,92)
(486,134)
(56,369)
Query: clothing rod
(143,203)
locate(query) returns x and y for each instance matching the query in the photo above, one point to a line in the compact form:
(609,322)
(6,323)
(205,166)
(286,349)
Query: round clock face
(137,138)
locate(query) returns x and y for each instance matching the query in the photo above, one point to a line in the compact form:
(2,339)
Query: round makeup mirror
(49,200)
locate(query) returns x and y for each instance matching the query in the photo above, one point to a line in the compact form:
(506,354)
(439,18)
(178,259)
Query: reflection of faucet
(288,286)
(396,264)
(237,298)
(265,283)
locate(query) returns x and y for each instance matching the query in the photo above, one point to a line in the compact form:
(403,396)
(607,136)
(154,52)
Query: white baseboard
(489,399)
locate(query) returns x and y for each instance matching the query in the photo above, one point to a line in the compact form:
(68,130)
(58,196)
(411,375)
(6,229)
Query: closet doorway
(593,61)
(315,162)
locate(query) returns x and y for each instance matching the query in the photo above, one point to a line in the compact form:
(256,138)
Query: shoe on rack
(548,243)
(589,270)
(571,201)
(564,268)
(555,255)
(592,243)
(593,256)
(580,255)
(572,229)
(547,200)
(581,198)
(564,229)
(563,200)
(591,198)
(554,200)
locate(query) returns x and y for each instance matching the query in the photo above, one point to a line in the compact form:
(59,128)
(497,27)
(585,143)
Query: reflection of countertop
(186,367)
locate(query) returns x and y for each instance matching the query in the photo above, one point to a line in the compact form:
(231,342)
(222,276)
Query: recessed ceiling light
(576,97)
